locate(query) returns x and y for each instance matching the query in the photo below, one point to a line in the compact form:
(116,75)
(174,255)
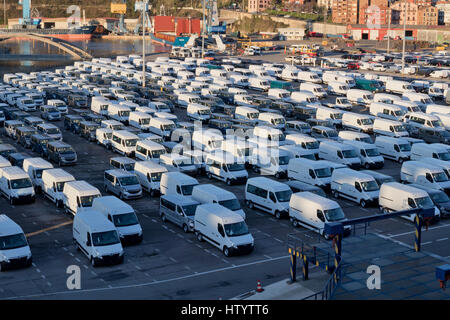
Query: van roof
(179,199)
(37,163)
(431,146)
(161,120)
(312,198)
(419,165)
(82,187)
(226,215)
(360,144)
(58,174)
(125,134)
(336,145)
(352,174)
(183,178)
(13,172)
(114,204)
(59,144)
(150,144)
(309,163)
(149,166)
(391,140)
(119,173)
(221,193)
(301,136)
(268,183)
(8,226)
(404,188)
(95,220)
(140,114)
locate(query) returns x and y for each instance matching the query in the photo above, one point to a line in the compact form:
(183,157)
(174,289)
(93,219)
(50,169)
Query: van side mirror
(220,230)
(358,187)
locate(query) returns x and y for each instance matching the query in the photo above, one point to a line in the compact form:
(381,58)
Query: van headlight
(191,224)
(96,254)
(3,258)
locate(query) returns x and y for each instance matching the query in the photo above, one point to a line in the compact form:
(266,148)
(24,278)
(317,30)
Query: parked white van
(104,137)
(294,151)
(140,120)
(421,99)
(78,195)
(338,88)
(315,88)
(305,141)
(119,112)
(199,112)
(387,111)
(312,211)
(355,186)
(149,150)
(247,113)
(398,86)
(272,119)
(389,128)
(393,148)
(425,174)
(223,229)
(149,175)
(224,166)
(424,150)
(317,173)
(122,215)
(35,167)
(339,153)
(335,116)
(268,195)
(124,142)
(207,140)
(270,161)
(97,238)
(99,105)
(304,98)
(241,150)
(177,183)
(258,83)
(357,122)
(359,97)
(309,76)
(355,136)
(161,126)
(386,98)
(368,154)
(437,108)
(53,185)
(4,162)
(16,185)
(14,249)
(209,193)
(395,196)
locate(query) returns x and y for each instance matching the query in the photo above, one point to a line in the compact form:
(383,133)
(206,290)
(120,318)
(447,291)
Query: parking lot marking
(145,215)
(268,257)
(137,267)
(189,240)
(187,268)
(93,273)
(49,284)
(49,228)
(65,249)
(56,241)
(173,260)
(412,232)
(37,270)
(180,236)
(226,261)
(71,254)
(33,264)
(43,277)
(171,230)
(259,213)
(443,239)
(24,215)
(78,260)
(215,255)
(85,266)
(154,220)
(155,282)
(425,243)
(276,239)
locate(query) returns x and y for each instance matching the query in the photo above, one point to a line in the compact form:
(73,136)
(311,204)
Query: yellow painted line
(48,229)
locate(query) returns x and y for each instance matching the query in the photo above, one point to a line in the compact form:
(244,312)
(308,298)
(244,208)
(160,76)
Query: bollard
(418,233)
(305,268)
(293,264)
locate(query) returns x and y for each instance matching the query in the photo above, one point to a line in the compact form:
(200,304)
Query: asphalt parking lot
(169,264)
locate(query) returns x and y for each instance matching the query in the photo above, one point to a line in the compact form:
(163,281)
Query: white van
(335,116)
(99,105)
(421,99)
(355,136)
(247,113)
(424,150)
(309,76)
(357,122)
(312,211)
(387,111)
(224,166)
(270,161)
(389,128)
(140,120)
(268,195)
(78,195)
(264,136)
(304,98)
(4,162)
(104,137)
(258,83)
(241,150)
(354,186)
(386,98)
(444,118)
(314,88)
(97,238)
(393,148)
(272,119)
(398,86)
(124,142)
(294,151)
(16,185)
(122,215)
(199,112)
(368,154)
(119,112)
(425,174)
(177,183)
(149,150)
(339,153)
(317,173)
(149,175)
(186,98)
(53,185)
(162,127)
(179,163)
(35,167)
(222,228)
(14,248)
(437,108)
(305,141)
(207,140)
(395,196)
(281,94)
(359,97)
(112,124)
(338,88)
(209,193)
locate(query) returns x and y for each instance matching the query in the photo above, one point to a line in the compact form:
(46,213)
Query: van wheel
(294,223)
(93,262)
(255,169)
(11,201)
(278,215)
(185,228)
(59,204)
(363,203)
(335,194)
(209,175)
(401,160)
(199,237)
(277,175)
(152,193)
(226,251)
(367,166)
(228,182)
(249,204)
(163,217)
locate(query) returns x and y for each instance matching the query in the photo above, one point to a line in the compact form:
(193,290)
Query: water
(96,47)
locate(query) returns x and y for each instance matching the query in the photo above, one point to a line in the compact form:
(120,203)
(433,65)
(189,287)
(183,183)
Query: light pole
(404,37)
(389,28)
(203,30)
(144,5)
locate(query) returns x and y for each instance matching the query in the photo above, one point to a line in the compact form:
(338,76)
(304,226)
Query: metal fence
(330,287)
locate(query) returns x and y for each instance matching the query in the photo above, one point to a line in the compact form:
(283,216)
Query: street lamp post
(203,31)
(389,29)
(404,37)
(144,5)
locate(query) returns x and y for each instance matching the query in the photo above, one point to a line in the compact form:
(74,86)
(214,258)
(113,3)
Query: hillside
(96,8)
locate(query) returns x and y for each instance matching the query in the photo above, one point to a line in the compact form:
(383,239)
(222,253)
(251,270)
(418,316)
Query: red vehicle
(353,66)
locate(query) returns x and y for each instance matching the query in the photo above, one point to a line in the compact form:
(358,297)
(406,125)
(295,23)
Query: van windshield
(156,176)
(105,238)
(253,115)
(311,145)
(187,189)
(128,181)
(60,186)
(370,186)
(232,204)
(157,153)
(21,183)
(13,241)
(235,167)
(131,142)
(168,127)
(349,154)
(129,166)
(86,201)
(399,128)
(65,150)
(424,202)
(439,197)
(283,196)
(444,156)
(323,172)
(334,214)
(372,152)
(236,229)
(189,210)
(440,177)
(126,219)
(404,147)
(366,121)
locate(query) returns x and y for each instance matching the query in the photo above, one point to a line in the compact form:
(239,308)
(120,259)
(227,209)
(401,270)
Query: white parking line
(43,277)
(71,254)
(180,236)
(443,239)
(412,232)
(78,260)
(278,240)
(189,240)
(49,284)
(37,270)
(171,231)
(56,241)
(226,261)
(173,260)
(425,243)
(85,266)
(154,220)
(93,273)
(65,249)
(24,215)
(137,267)
(259,213)
(145,215)
(268,257)
(47,234)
